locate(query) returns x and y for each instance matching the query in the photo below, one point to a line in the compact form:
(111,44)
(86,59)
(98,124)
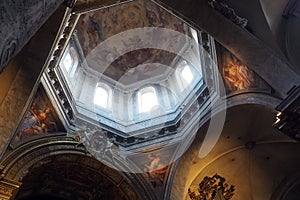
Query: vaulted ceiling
(268,45)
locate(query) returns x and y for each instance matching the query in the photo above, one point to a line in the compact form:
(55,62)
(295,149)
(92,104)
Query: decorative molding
(228,12)
(84,6)
(17,164)
(8,188)
(61,42)
(186,115)
(71,3)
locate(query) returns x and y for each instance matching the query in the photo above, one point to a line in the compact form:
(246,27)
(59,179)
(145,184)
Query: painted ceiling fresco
(95,27)
(95,3)
(143,64)
(40,120)
(236,75)
(155,165)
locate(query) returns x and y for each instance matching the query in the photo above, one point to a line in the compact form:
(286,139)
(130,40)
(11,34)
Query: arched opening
(250,154)
(68,177)
(56,168)
(187,74)
(69,62)
(102,95)
(147,99)
(184,75)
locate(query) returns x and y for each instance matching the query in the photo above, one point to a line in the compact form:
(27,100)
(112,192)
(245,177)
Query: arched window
(147,99)
(194,35)
(69,62)
(101,95)
(187,74)
(184,75)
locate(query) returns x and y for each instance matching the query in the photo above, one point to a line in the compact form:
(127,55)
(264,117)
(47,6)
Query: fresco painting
(155,169)
(39,120)
(36,122)
(236,75)
(154,164)
(95,27)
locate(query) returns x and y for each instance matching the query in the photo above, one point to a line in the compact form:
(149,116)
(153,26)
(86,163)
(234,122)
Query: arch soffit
(175,188)
(17,164)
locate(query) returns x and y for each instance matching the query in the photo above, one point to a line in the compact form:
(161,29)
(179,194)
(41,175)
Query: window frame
(108,91)
(140,93)
(183,84)
(71,51)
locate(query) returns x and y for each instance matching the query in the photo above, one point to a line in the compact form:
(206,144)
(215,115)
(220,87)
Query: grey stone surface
(245,46)
(20,20)
(30,61)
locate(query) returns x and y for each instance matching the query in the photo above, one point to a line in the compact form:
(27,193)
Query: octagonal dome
(135,70)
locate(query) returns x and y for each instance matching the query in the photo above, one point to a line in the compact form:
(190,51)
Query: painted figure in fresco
(131,17)
(95,27)
(155,170)
(154,20)
(36,122)
(238,76)
(42,116)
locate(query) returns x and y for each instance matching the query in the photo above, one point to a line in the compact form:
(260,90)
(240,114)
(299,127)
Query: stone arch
(176,187)
(32,155)
(285,188)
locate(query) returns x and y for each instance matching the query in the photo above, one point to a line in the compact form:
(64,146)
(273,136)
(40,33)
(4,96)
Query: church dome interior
(150,100)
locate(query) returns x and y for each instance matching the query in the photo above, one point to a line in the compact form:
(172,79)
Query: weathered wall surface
(23,80)
(20,20)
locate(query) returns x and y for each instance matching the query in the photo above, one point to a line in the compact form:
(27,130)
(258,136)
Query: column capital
(8,188)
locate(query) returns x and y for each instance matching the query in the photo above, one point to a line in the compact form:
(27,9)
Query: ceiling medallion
(213,188)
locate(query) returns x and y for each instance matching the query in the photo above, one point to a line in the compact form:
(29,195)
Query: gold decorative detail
(1,173)
(8,188)
(212,188)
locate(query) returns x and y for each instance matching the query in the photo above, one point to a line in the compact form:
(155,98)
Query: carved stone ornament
(228,12)
(213,188)
(8,188)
